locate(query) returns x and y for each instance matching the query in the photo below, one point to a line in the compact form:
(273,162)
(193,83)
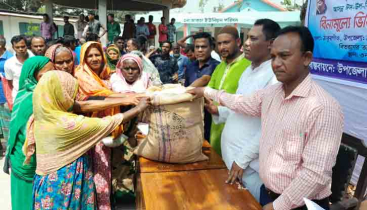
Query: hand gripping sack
(176,129)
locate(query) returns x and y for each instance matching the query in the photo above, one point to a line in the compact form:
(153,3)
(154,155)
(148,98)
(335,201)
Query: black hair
(205,35)
(111,15)
(50,43)
(117,38)
(173,19)
(189,47)
(163,18)
(134,41)
(69,40)
(45,15)
(307,41)
(17,39)
(38,37)
(92,37)
(270,28)
(66,17)
(142,40)
(170,44)
(150,16)
(59,40)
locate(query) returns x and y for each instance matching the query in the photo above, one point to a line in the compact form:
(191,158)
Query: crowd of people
(277,131)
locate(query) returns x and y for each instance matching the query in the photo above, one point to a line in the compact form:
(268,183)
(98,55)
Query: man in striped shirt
(301,124)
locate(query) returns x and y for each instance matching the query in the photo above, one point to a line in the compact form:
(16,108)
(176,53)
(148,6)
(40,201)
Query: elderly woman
(113,56)
(62,58)
(93,74)
(64,177)
(130,76)
(22,175)
(133,46)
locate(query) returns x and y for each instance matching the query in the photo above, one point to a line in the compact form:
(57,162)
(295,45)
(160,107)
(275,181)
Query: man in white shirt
(13,66)
(241,134)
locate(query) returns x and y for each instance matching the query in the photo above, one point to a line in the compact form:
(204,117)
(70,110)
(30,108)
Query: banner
(339,28)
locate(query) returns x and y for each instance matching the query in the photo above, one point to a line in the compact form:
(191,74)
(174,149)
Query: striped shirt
(300,138)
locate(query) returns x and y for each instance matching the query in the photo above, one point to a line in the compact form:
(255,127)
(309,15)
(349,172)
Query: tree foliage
(290,6)
(21,5)
(35,6)
(202,4)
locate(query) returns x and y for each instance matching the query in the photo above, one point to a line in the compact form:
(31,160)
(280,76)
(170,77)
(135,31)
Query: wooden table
(163,186)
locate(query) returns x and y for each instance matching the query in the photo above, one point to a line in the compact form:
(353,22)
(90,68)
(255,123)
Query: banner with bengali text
(339,28)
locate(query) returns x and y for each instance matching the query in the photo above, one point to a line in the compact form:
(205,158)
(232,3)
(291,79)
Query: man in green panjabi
(113,28)
(227,73)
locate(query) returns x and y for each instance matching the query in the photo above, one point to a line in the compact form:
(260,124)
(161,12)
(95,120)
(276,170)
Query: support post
(166,15)
(49,9)
(187,32)
(102,12)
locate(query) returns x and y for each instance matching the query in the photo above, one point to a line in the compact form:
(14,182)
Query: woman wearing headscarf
(93,74)
(64,179)
(130,76)
(113,56)
(149,68)
(22,175)
(133,46)
(62,58)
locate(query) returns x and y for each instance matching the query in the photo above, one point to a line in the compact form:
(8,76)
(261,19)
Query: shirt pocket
(292,145)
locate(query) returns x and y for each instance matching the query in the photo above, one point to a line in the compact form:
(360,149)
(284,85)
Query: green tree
(21,5)
(32,29)
(202,4)
(291,6)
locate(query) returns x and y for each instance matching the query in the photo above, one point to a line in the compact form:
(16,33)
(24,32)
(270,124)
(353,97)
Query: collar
(6,55)
(206,64)
(303,89)
(179,57)
(262,65)
(242,56)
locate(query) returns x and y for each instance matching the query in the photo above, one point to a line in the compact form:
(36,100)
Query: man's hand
(210,107)
(175,77)
(235,174)
(268,206)
(197,92)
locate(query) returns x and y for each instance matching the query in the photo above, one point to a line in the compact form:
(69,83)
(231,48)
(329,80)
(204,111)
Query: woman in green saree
(22,175)
(113,56)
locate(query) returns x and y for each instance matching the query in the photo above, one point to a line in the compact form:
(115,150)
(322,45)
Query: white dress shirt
(241,134)
(13,69)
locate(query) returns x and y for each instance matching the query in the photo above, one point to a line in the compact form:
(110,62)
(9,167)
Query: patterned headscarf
(51,53)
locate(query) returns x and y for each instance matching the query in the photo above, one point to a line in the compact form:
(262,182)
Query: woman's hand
(126,101)
(143,104)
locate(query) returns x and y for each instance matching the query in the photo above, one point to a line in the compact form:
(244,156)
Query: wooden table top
(214,162)
(202,189)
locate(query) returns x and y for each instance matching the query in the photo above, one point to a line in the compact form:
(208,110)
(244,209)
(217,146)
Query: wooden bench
(200,185)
